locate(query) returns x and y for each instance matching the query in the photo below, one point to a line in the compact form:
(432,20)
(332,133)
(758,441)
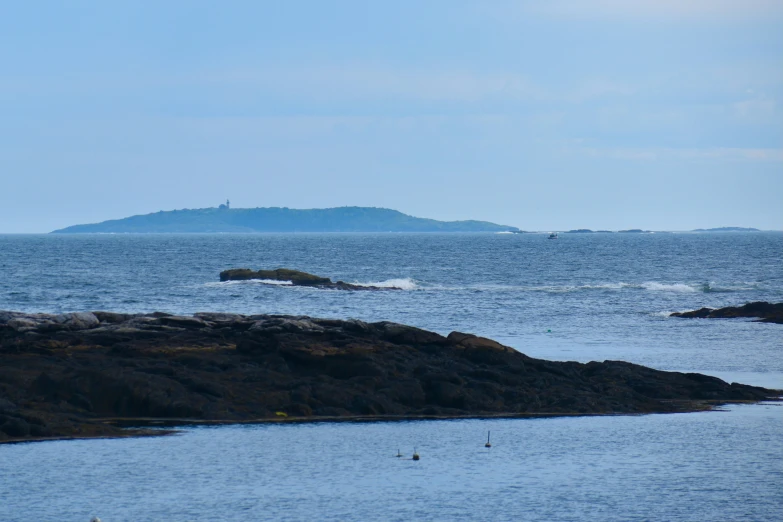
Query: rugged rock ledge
(85,374)
(295,277)
(767,312)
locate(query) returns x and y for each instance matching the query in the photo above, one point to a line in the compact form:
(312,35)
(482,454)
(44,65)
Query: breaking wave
(710,287)
(403,284)
(663,287)
(650,286)
(716,288)
(408,283)
(250,282)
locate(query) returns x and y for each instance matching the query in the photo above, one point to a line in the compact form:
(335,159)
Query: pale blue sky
(656,114)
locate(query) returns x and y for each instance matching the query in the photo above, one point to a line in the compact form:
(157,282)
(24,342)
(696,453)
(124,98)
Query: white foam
(251,282)
(713,287)
(662,287)
(561,289)
(665,314)
(605,286)
(410,284)
(401,284)
(273,282)
(576,288)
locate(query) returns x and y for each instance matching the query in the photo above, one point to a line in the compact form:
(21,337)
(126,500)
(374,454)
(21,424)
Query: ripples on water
(700,466)
(602,297)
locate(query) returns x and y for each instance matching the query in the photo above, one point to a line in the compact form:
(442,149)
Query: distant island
(275,219)
(727,229)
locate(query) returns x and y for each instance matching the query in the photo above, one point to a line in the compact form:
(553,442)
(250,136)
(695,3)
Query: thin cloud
(376,83)
(363,82)
(757,109)
(662,153)
(688,10)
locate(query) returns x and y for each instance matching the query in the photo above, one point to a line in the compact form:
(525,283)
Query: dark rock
(220,318)
(330,411)
(80,401)
(158,315)
(281,274)
(295,277)
(403,334)
(15,427)
(767,312)
(7,406)
(182,322)
(79,320)
(39,431)
(467,341)
(299,410)
(112,317)
(60,379)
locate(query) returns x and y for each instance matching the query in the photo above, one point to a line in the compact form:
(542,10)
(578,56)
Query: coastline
(139,427)
(92,374)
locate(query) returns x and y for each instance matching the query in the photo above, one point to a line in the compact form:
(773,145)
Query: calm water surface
(582,297)
(700,466)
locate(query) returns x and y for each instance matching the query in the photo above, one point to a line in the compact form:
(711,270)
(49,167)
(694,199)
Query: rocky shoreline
(765,312)
(90,374)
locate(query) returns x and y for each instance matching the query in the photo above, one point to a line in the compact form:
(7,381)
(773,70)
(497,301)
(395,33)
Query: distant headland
(276,219)
(640,231)
(727,229)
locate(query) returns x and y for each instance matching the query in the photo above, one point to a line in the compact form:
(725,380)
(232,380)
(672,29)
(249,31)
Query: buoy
(415,455)
(487,445)
(549,331)
(398,454)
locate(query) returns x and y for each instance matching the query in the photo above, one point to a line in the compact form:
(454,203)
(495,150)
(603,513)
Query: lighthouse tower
(226,206)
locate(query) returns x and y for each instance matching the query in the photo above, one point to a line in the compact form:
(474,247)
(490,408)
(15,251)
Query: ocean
(581,297)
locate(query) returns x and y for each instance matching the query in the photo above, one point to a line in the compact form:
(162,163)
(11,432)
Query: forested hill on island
(275,219)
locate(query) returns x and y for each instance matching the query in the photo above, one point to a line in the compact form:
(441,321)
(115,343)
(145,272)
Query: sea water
(581,297)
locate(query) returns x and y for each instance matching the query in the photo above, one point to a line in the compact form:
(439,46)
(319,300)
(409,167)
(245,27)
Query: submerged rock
(90,377)
(295,277)
(766,312)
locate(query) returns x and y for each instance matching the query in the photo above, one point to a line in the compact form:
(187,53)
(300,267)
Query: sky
(602,114)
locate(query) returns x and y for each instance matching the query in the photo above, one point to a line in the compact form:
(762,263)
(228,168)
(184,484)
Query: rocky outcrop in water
(766,312)
(85,374)
(295,277)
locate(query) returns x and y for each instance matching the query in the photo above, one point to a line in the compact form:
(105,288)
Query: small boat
(553,235)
